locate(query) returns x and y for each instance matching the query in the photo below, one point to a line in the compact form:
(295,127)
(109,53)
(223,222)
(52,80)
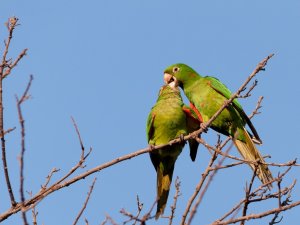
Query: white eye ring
(175,69)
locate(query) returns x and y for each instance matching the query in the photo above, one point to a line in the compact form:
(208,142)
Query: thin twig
(257,196)
(33,212)
(86,202)
(202,141)
(22,124)
(140,207)
(8,131)
(258,106)
(79,137)
(15,63)
(258,215)
(177,194)
(108,218)
(210,178)
(147,216)
(48,178)
(248,94)
(217,167)
(247,193)
(11,24)
(198,188)
(236,207)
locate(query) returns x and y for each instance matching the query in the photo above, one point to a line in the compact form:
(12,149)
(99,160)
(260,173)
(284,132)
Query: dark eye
(175,69)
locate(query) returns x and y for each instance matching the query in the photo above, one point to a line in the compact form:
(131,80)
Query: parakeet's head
(169,90)
(179,74)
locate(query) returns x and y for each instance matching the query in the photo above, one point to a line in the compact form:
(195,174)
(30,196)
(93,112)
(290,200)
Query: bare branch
(147,216)
(33,212)
(258,106)
(108,218)
(210,178)
(131,216)
(140,207)
(248,94)
(177,194)
(86,202)
(8,131)
(257,216)
(48,178)
(11,24)
(198,188)
(22,124)
(247,191)
(259,194)
(15,63)
(79,137)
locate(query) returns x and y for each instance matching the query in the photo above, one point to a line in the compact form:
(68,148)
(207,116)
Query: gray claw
(204,127)
(182,138)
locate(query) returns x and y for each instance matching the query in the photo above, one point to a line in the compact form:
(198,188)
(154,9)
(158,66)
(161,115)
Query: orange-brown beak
(168,78)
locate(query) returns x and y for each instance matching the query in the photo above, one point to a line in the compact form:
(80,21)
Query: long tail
(250,152)
(164,178)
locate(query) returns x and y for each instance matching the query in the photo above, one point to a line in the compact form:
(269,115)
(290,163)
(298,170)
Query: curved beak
(168,78)
(171,80)
(173,85)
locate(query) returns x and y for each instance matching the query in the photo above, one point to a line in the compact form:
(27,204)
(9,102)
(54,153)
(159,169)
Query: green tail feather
(164,179)
(250,152)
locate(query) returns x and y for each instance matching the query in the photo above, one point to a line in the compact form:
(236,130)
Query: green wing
(219,87)
(149,128)
(192,125)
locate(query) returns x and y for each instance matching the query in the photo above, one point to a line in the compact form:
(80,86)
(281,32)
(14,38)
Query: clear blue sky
(102,62)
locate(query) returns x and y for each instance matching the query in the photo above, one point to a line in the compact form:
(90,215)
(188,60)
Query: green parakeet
(168,119)
(207,95)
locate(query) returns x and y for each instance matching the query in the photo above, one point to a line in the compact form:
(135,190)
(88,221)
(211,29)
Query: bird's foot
(181,137)
(204,127)
(151,147)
